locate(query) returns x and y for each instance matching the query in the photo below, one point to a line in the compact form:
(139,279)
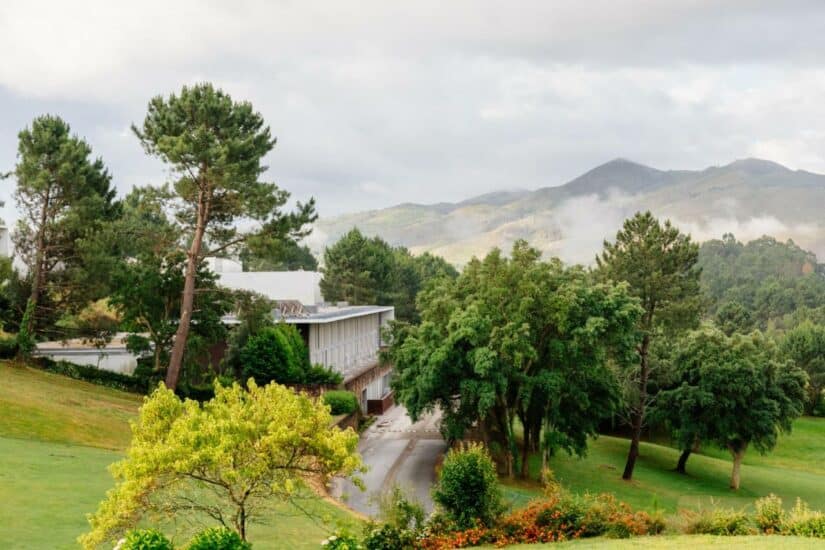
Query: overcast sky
(375,103)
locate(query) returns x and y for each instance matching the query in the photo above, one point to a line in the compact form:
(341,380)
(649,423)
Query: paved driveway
(396,451)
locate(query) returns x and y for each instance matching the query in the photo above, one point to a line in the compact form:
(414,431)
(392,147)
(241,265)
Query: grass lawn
(796,468)
(58,435)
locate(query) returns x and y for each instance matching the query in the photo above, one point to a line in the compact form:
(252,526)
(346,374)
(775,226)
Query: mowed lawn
(57,437)
(796,468)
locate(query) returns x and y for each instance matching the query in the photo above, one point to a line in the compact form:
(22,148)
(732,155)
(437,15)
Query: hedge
(341,401)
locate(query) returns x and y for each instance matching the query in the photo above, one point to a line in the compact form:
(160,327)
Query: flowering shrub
(145,539)
(558,517)
(218,538)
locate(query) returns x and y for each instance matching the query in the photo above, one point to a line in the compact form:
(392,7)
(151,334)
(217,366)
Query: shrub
(145,539)
(804,522)
(341,401)
(218,538)
(341,541)
(94,375)
(770,516)
(399,510)
(8,347)
(323,376)
(389,537)
(467,488)
(717,521)
(270,356)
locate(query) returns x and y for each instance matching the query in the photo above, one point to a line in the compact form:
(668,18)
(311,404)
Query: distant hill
(748,198)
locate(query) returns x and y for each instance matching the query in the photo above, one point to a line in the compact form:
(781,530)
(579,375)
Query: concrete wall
(303,286)
(347,344)
(120,361)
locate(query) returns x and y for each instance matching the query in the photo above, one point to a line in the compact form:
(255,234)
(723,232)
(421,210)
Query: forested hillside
(762,284)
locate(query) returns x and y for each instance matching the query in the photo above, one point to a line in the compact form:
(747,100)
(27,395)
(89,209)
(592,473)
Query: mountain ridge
(745,196)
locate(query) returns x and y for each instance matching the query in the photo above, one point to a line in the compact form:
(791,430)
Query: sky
(378,103)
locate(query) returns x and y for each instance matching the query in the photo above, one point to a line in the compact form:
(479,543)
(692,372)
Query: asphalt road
(396,451)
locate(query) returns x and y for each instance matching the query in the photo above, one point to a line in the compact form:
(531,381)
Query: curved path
(396,451)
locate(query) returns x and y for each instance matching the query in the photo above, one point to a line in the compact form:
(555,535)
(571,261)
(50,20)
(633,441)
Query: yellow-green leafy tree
(231,459)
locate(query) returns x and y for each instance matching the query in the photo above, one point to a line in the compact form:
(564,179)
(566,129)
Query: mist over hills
(748,197)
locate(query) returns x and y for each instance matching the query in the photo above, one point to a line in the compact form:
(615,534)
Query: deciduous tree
(733,392)
(233,458)
(517,338)
(805,345)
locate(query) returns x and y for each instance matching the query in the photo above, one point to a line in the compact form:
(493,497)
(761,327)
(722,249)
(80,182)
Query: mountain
(748,197)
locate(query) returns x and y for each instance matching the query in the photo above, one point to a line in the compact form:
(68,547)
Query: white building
(348,339)
(345,338)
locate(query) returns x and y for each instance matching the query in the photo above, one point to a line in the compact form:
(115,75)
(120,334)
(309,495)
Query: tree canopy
(232,458)
(733,392)
(805,346)
(517,338)
(63,195)
(366,270)
(215,147)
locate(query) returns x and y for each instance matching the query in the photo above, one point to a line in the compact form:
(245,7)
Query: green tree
(215,146)
(147,293)
(234,458)
(276,353)
(359,270)
(659,264)
(363,270)
(733,392)
(516,338)
(62,196)
(734,317)
(805,345)
(286,255)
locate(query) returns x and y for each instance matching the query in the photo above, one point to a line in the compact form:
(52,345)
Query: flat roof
(332,314)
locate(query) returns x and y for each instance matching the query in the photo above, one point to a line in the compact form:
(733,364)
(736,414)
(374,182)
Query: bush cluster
(557,517)
(94,375)
(218,538)
(212,538)
(279,354)
(341,401)
(717,521)
(8,347)
(801,521)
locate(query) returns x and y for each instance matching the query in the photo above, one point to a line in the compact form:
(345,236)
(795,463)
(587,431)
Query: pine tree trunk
(188,297)
(637,418)
(38,277)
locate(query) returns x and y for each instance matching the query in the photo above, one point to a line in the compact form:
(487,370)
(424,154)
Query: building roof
(331,314)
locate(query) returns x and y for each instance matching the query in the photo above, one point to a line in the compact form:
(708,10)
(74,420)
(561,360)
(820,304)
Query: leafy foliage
(717,521)
(145,539)
(517,339)
(282,255)
(278,353)
(659,264)
(805,346)
(363,270)
(341,402)
(733,392)
(766,278)
(229,458)
(218,538)
(467,488)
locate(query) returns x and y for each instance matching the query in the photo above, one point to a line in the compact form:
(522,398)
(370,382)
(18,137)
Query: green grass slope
(57,437)
(685,541)
(796,468)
